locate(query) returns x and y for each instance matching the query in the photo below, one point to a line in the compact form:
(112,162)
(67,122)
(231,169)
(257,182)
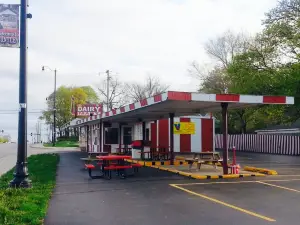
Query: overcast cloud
(132,38)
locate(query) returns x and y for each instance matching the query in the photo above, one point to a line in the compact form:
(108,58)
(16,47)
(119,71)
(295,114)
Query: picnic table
(204,157)
(124,150)
(110,163)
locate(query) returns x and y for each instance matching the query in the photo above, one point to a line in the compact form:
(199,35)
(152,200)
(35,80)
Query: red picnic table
(112,162)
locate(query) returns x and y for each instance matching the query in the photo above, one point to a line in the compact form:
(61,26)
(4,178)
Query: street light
(21,171)
(54,105)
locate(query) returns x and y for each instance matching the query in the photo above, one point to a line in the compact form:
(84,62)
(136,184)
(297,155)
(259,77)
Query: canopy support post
(171,129)
(120,137)
(225,136)
(101,135)
(87,138)
(144,139)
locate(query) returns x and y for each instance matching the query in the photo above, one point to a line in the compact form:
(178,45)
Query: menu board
(138,131)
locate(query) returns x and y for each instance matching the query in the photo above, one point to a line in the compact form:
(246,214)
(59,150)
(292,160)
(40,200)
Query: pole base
(19,182)
(20,177)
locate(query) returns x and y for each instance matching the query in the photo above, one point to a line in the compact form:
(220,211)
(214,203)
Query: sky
(132,38)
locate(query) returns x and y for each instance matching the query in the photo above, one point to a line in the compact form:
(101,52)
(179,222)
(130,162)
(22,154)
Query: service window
(111,136)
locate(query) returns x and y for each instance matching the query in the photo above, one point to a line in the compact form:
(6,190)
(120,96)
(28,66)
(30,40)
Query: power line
(16,112)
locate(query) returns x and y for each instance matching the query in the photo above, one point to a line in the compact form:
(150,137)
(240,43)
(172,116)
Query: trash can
(136,149)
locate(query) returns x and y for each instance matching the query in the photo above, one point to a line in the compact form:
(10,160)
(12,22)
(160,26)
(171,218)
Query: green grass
(63,144)
(29,206)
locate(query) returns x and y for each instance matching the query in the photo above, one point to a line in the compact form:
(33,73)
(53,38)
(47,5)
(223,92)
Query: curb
(157,164)
(54,148)
(260,170)
(205,177)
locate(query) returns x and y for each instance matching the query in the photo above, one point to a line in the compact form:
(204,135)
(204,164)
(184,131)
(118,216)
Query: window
(127,138)
(111,136)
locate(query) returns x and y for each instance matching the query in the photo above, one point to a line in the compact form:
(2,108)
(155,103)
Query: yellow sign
(184,128)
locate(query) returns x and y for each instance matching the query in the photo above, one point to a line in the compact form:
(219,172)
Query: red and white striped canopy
(182,104)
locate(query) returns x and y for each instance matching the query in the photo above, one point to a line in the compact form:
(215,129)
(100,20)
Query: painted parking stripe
(277,186)
(234,182)
(225,204)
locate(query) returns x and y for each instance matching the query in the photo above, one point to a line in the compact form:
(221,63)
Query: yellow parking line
(280,180)
(218,182)
(225,204)
(282,187)
(234,182)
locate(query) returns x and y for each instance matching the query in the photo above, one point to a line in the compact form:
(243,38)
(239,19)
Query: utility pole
(107,93)
(21,174)
(54,113)
(54,104)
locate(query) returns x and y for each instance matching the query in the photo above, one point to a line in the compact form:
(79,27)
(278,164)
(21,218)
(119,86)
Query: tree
(283,27)
(152,86)
(64,103)
(223,50)
(224,47)
(117,93)
(92,96)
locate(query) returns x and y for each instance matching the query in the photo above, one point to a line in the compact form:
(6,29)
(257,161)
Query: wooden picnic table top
(114,157)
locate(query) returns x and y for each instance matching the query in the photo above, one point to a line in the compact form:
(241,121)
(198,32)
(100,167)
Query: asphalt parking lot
(271,200)
(284,165)
(157,197)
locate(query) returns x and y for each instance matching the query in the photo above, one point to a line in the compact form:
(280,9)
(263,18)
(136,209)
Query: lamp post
(21,174)
(54,104)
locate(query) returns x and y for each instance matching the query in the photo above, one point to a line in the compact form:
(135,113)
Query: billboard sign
(9,25)
(86,110)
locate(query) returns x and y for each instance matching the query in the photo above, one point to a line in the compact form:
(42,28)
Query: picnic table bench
(110,163)
(204,157)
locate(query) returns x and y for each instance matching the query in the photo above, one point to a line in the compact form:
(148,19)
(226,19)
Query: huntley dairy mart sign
(88,110)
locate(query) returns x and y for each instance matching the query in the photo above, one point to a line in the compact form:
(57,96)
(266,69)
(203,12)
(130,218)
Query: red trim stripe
(180,96)
(227,98)
(274,99)
(122,109)
(131,106)
(163,133)
(158,98)
(144,102)
(207,131)
(185,139)
(153,134)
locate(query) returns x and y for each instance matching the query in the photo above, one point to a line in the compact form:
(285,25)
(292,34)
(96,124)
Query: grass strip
(63,144)
(29,206)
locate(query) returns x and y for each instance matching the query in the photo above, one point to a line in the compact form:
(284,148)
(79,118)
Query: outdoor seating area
(201,158)
(206,171)
(156,153)
(105,165)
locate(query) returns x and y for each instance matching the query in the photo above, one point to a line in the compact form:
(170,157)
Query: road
(8,155)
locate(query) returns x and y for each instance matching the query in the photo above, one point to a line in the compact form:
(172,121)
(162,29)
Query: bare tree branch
(152,86)
(117,97)
(225,47)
